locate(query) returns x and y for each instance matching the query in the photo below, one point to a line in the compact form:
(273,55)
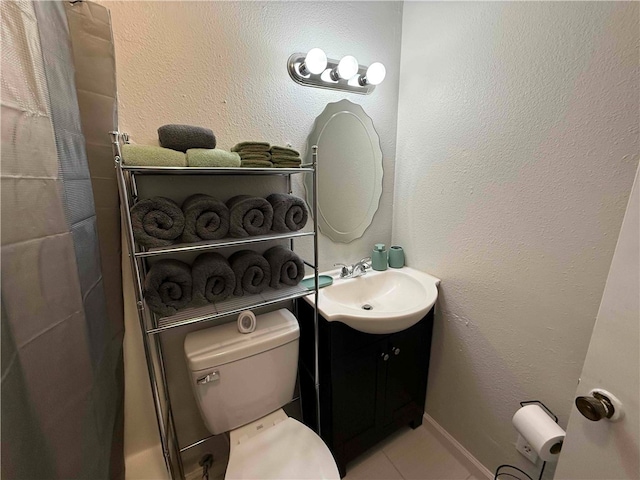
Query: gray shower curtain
(62,319)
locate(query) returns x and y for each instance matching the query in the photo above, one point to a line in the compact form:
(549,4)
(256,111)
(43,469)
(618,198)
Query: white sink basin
(398,299)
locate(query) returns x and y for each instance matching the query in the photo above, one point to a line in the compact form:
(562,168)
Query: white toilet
(240,382)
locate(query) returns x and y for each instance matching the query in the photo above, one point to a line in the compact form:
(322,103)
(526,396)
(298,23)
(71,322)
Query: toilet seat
(287,450)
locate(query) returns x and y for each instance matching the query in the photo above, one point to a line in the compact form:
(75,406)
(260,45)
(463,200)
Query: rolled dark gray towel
(289,212)
(249,216)
(167,287)
(156,222)
(252,272)
(286,267)
(184,137)
(213,278)
(205,218)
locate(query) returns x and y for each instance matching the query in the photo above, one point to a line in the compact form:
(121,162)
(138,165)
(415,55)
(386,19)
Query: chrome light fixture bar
(329,77)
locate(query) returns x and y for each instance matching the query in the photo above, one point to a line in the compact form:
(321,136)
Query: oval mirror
(349,170)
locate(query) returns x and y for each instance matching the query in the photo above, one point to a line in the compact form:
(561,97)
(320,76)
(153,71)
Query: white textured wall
(223,65)
(517,147)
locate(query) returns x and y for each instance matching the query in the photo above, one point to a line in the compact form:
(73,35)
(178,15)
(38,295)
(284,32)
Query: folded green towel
(150,156)
(255,156)
(286,165)
(254,150)
(282,151)
(256,164)
(285,159)
(260,146)
(213,157)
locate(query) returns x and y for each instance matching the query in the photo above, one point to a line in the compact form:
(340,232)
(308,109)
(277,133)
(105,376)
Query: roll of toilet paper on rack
(542,433)
(246,322)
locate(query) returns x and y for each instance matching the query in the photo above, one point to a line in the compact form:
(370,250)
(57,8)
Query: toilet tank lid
(212,347)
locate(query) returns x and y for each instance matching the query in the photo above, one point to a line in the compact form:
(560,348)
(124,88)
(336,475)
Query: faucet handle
(365,262)
(344,271)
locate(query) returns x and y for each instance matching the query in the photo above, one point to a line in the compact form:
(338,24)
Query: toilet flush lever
(210,377)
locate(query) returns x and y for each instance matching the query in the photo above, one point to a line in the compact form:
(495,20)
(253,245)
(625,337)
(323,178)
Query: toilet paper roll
(246,322)
(543,434)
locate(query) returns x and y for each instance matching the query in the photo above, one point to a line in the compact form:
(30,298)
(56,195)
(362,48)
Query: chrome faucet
(356,270)
(360,268)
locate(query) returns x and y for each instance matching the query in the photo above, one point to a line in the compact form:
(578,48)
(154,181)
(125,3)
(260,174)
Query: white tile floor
(410,455)
(146,465)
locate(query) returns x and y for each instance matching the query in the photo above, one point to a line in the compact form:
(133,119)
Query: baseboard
(462,454)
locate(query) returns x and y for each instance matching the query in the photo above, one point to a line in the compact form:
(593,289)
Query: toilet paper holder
(540,404)
(507,470)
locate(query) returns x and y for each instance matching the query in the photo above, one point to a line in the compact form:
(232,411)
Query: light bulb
(315,62)
(347,67)
(375,73)
(374,76)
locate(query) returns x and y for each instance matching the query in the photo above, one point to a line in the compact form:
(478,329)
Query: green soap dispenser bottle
(379,257)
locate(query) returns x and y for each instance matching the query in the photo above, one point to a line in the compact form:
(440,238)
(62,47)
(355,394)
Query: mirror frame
(321,122)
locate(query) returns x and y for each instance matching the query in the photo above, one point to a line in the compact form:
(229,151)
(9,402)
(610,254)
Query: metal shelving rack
(151,324)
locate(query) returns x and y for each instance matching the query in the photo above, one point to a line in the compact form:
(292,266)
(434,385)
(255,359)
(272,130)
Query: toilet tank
(238,378)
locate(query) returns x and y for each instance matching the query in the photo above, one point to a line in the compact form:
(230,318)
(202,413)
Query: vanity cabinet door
(358,393)
(370,384)
(407,373)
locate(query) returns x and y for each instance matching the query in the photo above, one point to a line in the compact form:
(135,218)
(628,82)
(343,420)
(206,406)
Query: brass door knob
(595,407)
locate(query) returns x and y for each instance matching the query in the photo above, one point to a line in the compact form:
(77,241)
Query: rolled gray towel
(167,287)
(289,212)
(184,137)
(286,267)
(252,272)
(156,222)
(213,278)
(249,216)
(205,218)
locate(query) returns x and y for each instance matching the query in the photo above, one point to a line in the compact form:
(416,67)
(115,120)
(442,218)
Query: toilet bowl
(241,382)
(281,448)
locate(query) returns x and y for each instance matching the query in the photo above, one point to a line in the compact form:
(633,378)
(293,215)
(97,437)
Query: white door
(605,450)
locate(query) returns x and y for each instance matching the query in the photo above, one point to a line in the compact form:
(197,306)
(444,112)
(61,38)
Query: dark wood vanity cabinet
(370,385)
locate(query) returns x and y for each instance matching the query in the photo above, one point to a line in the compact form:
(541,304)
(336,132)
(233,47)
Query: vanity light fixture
(314,69)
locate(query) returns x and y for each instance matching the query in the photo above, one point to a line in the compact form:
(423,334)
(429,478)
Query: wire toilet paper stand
(507,471)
